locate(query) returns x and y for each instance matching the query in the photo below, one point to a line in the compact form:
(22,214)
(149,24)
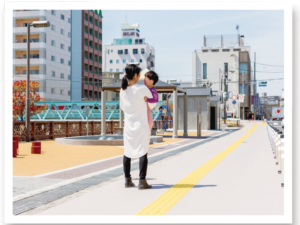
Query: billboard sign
(277,112)
(262,83)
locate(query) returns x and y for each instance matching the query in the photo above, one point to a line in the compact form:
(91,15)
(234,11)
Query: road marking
(166,201)
(264,124)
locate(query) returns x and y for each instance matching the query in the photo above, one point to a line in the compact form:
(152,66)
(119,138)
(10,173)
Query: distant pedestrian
(136,129)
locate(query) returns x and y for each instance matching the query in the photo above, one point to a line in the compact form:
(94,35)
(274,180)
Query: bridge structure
(76,110)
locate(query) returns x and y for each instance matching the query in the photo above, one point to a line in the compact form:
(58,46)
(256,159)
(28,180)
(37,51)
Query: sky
(176,34)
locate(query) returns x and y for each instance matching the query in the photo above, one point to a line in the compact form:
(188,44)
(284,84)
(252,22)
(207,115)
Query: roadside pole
(244,96)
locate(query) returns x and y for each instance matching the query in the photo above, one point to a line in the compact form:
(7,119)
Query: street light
(35,24)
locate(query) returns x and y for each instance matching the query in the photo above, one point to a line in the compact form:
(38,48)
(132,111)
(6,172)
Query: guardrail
(233,122)
(42,130)
(277,143)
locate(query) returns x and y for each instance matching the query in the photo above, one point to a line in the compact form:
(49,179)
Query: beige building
(111,78)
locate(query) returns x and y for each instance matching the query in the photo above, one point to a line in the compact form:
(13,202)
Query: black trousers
(143,166)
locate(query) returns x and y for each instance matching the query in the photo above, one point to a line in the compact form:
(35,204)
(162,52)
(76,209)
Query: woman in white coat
(136,129)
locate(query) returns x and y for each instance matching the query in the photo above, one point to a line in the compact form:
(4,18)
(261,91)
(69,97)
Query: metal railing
(277,143)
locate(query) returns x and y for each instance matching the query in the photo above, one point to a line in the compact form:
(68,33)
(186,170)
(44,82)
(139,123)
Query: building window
(91,20)
(142,50)
(69,93)
(91,56)
(136,41)
(117,61)
(141,60)
(226,69)
(243,67)
(86,55)
(111,51)
(91,44)
(52,58)
(52,74)
(241,89)
(100,48)
(135,51)
(110,70)
(69,77)
(132,60)
(204,50)
(62,17)
(96,22)
(86,17)
(69,63)
(96,46)
(90,94)
(91,31)
(85,67)
(91,81)
(204,71)
(96,70)
(96,34)
(140,41)
(110,61)
(86,29)
(62,76)
(215,50)
(69,34)
(100,24)
(69,48)
(86,42)
(117,70)
(100,36)
(100,71)
(53,90)
(53,27)
(100,85)
(85,93)
(53,12)
(226,50)
(100,59)
(236,50)
(95,95)
(52,43)
(62,31)
(69,20)
(62,61)
(85,80)
(96,83)
(62,46)
(124,60)
(91,69)
(126,51)
(96,58)
(61,92)
(120,51)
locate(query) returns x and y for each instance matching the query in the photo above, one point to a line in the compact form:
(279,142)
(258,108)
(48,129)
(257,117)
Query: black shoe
(128,182)
(143,184)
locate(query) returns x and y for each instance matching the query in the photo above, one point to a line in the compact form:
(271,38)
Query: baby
(151,79)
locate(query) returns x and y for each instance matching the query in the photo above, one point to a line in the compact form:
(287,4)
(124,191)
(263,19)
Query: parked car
(282,122)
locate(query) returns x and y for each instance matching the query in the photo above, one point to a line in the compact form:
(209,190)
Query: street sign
(262,84)
(241,98)
(234,102)
(233,97)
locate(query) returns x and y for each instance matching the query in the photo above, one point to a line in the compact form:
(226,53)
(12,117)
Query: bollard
(36,147)
(280,149)
(16,138)
(223,128)
(15,147)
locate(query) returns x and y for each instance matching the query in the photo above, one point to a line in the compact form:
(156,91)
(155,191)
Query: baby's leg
(150,119)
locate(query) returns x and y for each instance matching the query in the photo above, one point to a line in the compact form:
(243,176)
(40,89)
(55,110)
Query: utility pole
(255,94)
(27,123)
(220,80)
(244,96)
(224,97)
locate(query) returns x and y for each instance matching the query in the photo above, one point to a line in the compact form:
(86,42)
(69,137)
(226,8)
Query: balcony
(33,61)
(29,14)
(23,30)
(36,77)
(33,45)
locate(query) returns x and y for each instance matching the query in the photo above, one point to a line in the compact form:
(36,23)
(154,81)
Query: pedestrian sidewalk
(234,174)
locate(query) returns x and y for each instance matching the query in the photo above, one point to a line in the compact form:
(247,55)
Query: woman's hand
(145,98)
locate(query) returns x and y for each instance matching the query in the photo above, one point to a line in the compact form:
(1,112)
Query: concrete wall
(192,103)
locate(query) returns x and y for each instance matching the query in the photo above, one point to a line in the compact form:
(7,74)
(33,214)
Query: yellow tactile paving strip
(58,157)
(180,133)
(166,201)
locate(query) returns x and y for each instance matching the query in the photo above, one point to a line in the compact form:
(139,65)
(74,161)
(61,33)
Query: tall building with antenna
(225,55)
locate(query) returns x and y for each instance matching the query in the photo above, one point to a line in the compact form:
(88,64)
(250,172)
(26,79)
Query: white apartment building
(130,48)
(231,56)
(50,51)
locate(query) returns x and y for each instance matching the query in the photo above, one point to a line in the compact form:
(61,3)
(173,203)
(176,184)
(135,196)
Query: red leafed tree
(19,99)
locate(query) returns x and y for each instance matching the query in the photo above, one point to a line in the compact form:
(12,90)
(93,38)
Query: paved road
(232,175)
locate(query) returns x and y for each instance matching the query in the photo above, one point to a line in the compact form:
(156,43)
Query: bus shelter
(161,87)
